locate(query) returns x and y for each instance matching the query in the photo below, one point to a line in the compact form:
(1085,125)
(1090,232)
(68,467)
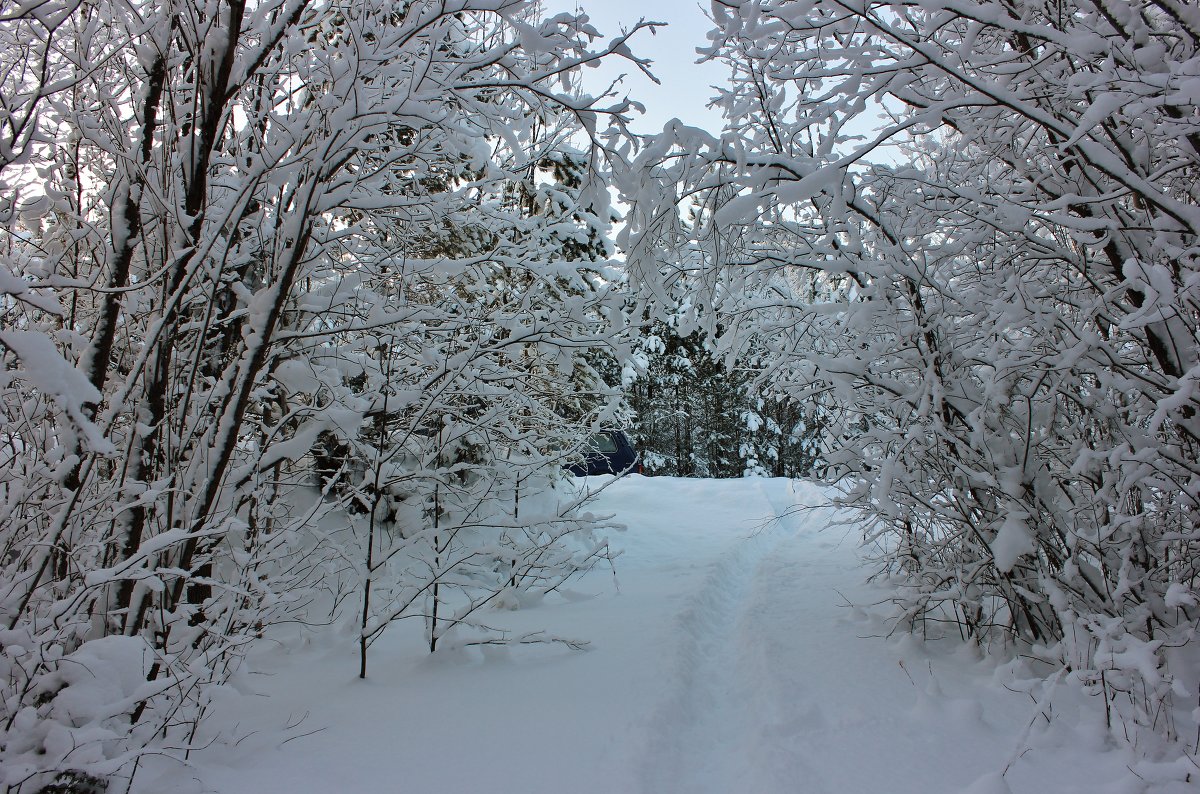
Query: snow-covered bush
(233,232)
(993,296)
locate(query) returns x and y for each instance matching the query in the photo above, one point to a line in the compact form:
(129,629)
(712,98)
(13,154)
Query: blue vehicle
(607,452)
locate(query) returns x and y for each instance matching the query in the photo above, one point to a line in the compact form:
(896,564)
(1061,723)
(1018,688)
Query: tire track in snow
(721,727)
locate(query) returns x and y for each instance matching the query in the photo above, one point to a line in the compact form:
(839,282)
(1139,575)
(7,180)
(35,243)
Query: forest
(305,304)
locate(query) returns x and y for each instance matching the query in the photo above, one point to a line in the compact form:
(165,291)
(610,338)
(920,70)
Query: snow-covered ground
(724,657)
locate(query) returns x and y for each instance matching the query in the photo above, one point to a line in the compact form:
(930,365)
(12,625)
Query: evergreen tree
(694,416)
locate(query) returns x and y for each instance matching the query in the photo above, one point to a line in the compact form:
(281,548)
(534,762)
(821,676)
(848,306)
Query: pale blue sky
(685,85)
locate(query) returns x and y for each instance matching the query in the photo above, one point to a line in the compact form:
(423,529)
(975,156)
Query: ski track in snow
(723,726)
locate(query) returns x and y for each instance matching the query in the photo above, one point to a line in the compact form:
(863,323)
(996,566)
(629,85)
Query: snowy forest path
(727,660)
(781,681)
(723,724)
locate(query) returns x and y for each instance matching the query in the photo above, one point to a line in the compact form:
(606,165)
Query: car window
(602,442)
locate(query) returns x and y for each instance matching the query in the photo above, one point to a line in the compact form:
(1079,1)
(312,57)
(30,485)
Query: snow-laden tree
(238,232)
(993,293)
(442,435)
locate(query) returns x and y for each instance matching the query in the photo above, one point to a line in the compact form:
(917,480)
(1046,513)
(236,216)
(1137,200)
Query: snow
(1012,540)
(47,371)
(725,657)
